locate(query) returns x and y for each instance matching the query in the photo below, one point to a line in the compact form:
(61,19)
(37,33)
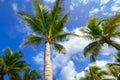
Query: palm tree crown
(102,31)
(11,64)
(46,24)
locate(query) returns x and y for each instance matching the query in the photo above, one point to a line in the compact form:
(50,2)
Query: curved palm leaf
(58,28)
(114,69)
(59,48)
(31,75)
(112,24)
(93,26)
(117,57)
(33,40)
(60,37)
(92,48)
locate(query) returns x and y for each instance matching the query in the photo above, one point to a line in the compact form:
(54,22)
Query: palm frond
(58,28)
(93,26)
(13,75)
(14,58)
(92,48)
(111,24)
(35,73)
(60,37)
(57,10)
(116,34)
(114,69)
(32,40)
(31,21)
(42,14)
(1,61)
(7,53)
(55,15)
(20,66)
(113,43)
(59,48)
(117,57)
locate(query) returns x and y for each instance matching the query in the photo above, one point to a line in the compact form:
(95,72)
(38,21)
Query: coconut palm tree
(96,73)
(12,65)
(101,31)
(31,75)
(115,67)
(48,28)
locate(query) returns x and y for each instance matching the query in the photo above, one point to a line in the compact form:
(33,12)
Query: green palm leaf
(61,37)
(31,21)
(32,40)
(59,48)
(58,28)
(112,23)
(93,26)
(92,48)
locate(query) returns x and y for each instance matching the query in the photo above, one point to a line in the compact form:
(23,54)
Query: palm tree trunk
(47,63)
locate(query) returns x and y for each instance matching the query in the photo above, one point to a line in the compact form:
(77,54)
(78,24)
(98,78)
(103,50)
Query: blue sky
(13,31)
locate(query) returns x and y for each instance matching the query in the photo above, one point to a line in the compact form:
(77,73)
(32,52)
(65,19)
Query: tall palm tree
(12,65)
(31,75)
(115,67)
(101,31)
(48,27)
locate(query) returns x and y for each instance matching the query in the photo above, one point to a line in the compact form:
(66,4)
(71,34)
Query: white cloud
(14,6)
(107,50)
(73,46)
(80,75)
(102,2)
(71,7)
(77,43)
(94,11)
(68,72)
(39,59)
(116,1)
(50,1)
(101,63)
(115,8)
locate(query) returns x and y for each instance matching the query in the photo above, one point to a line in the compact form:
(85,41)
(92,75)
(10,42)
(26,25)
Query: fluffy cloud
(14,6)
(68,72)
(39,59)
(93,11)
(102,2)
(115,8)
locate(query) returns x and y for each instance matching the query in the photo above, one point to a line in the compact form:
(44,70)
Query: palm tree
(12,65)
(101,31)
(31,75)
(115,67)
(96,73)
(48,27)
